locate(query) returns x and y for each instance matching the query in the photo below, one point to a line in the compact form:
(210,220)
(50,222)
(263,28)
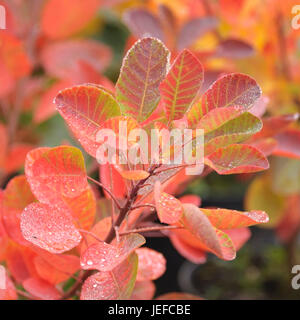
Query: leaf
(45,107)
(121,126)
(178,296)
(290,222)
(144,67)
(194,29)
(85,108)
(265,145)
(169,209)
(143,290)
(63,18)
(56,268)
(49,228)
(83,209)
(288,144)
(224,126)
(276,125)
(260,196)
(233,89)
(212,239)
(62,59)
(234,49)
(231,219)
(237,158)
(110,177)
(152,264)
(100,229)
(105,257)
(238,236)
(16,196)
(193,254)
(143,23)
(285,175)
(13,56)
(191,198)
(7,288)
(54,173)
(182,84)
(134,175)
(16,262)
(16,156)
(117,284)
(41,289)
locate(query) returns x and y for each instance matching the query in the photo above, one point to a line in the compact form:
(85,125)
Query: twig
(149,229)
(107,190)
(144,205)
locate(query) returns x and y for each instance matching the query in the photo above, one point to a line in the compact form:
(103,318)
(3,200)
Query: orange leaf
(63,18)
(169,209)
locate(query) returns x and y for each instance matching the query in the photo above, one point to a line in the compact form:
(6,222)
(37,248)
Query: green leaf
(143,69)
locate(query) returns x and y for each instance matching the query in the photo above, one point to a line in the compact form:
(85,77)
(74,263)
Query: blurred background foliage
(262,267)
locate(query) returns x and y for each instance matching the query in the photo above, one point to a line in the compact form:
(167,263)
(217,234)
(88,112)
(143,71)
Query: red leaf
(61,59)
(178,296)
(288,144)
(16,262)
(152,264)
(56,268)
(13,56)
(111,178)
(16,197)
(117,284)
(182,84)
(63,18)
(234,49)
(100,229)
(191,198)
(7,288)
(239,236)
(41,289)
(234,89)
(193,29)
(237,158)
(169,209)
(213,240)
(49,228)
(16,157)
(85,108)
(143,290)
(45,108)
(189,252)
(289,224)
(54,173)
(275,125)
(83,209)
(143,23)
(105,257)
